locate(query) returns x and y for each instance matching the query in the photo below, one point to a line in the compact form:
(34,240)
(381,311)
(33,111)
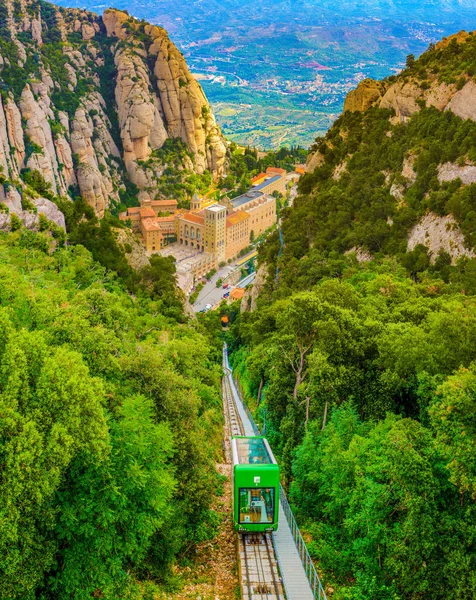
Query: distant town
(210,234)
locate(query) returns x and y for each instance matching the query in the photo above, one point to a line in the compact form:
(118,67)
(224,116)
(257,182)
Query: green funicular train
(255,485)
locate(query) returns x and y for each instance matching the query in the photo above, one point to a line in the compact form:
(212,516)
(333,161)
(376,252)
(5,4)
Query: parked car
(208,306)
(225,295)
(226,286)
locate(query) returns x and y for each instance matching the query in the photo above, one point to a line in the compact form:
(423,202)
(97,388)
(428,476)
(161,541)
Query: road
(210,294)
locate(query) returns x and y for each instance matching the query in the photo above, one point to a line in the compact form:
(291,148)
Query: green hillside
(104,409)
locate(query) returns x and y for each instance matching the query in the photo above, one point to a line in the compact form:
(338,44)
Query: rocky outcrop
(176,108)
(451,172)
(408,171)
(439,233)
(407,94)
(134,250)
(463,103)
(250,297)
(11,200)
(402,98)
(361,254)
(314,160)
(339,170)
(60,122)
(50,210)
(365,95)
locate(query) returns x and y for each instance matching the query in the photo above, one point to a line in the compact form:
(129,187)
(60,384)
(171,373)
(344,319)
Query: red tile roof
(193,218)
(258,177)
(276,170)
(237,217)
(164,203)
(146,212)
(150,225)
(237,293)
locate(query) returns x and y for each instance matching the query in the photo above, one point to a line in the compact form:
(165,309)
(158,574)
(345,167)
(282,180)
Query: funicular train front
(255,484)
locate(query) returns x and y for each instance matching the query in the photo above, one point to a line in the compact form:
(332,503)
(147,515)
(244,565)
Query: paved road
(210,294)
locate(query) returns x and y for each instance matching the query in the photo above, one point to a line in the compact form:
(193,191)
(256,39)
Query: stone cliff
(90,102)
(406,93)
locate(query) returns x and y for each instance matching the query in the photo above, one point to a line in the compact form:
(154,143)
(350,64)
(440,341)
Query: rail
(309,568)
(281,248)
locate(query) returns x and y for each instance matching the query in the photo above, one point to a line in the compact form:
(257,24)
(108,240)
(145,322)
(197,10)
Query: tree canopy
(104,477)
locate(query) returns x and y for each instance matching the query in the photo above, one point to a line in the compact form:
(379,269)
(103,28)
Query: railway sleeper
(262,588)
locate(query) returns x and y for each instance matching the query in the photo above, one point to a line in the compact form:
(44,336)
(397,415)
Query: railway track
(234,421)
(260,579)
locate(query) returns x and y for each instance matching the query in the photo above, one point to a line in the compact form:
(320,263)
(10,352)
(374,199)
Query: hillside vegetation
(404,149)
(104,408)
(360,356)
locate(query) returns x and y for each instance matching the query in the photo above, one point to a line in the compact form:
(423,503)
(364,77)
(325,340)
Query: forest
(105,479)
(366,385)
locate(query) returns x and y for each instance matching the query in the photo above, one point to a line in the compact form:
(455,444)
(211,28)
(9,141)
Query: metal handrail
(309,568)
(306,560)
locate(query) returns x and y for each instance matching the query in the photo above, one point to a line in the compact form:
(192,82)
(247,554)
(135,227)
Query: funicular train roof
(252,451)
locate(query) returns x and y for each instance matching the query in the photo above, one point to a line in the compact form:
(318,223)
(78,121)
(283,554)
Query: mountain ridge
(60,116)
(395,175)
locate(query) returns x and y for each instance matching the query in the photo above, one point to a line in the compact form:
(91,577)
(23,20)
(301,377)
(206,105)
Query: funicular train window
(256,505)
(252,451)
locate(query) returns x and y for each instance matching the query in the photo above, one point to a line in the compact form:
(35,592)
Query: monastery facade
(219,231)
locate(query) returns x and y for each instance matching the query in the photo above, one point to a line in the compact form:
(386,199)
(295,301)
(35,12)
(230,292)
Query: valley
(252,58)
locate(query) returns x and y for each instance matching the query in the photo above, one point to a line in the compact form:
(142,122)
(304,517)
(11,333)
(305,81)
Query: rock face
(12,200)
(450,172)
(365,95)
(405,94)
(314,160)
(250,297)
(135,251)
(66,121)
(439,233)
(402,97)
(463,103)
(361,254)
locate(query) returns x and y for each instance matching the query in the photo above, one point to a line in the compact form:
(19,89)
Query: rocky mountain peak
(90,103)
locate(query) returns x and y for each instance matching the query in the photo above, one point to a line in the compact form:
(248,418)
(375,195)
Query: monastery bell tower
(215,230)
(196,203)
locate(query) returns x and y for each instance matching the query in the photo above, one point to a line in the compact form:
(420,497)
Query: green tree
(453,416)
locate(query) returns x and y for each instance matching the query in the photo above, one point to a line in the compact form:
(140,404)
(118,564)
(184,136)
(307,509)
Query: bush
(210,274)
(15,223)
